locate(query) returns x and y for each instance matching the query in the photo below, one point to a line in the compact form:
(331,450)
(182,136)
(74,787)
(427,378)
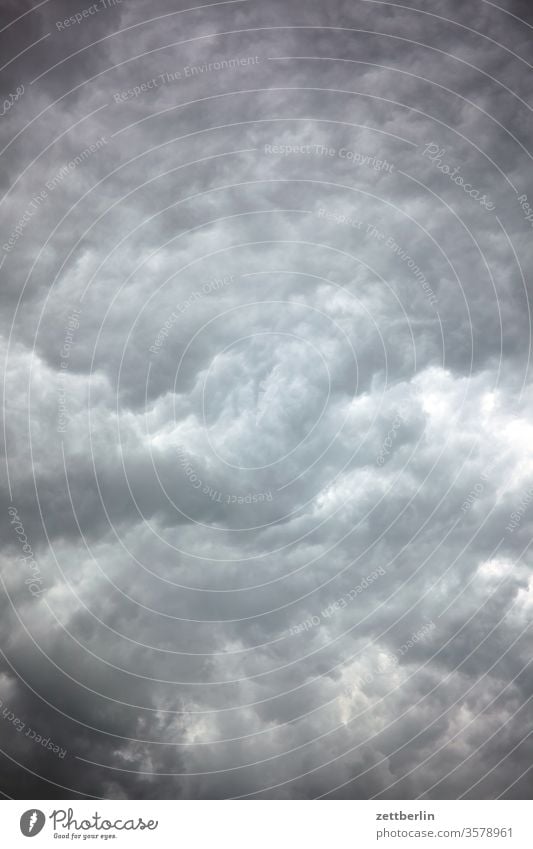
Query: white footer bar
(269,824)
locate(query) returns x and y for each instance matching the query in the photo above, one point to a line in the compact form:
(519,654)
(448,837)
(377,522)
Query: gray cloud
(266,340)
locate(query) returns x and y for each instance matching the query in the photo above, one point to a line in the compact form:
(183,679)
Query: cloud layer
(267,445)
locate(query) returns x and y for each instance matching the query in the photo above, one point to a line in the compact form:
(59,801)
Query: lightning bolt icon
(33,820)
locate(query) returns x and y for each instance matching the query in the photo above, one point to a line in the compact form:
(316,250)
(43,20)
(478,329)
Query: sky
(267,471)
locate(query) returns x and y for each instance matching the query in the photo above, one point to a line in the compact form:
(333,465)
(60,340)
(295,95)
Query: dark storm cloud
(267,400)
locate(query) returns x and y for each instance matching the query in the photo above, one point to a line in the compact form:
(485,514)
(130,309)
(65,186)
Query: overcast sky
(267,470)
